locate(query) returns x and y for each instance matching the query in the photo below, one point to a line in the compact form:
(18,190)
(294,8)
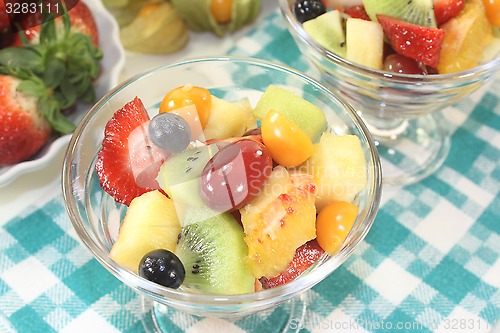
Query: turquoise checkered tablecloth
(430,263)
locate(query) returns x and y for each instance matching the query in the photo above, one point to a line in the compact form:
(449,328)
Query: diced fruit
(190,115)
(227,119)
(418,12)
(333,224)
(235,175)
(339,4)
(338,166)
(126,152)
(304,114)
(170,132)
(492,8)
(398,63)
(466,37)
(305,256)
(221,10)
(157,29)
(306,10)
(150,223)
(365,42)
(180,175)
(163,267)
(447,9)
(288,144)
(357,12)
(213,252)
(192,215)
(278,221)
(328,31)
(417,42)
(189,95)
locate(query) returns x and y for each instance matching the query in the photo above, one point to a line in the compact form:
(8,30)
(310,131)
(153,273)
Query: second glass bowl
(400,110)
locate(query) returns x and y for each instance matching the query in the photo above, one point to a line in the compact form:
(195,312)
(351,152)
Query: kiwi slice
(212,252)
(420,12)
(180,175)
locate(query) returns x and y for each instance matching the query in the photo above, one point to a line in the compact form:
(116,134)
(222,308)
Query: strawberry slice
(127,154)
(413,41)
(357,12)
(447,9)
(305,256)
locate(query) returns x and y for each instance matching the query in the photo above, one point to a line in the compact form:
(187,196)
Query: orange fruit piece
(333,224)
(189,95)
(466,36)
(493,11)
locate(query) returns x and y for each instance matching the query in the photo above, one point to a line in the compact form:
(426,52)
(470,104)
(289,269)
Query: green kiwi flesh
(420,12)
(179,176)
(212,252)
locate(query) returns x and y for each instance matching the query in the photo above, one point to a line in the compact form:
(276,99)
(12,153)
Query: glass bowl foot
(289,317)
(410,149)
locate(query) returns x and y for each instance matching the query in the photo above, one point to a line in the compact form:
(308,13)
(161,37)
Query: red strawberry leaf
(447,9)
(413,41)
(305,256)
(126,152)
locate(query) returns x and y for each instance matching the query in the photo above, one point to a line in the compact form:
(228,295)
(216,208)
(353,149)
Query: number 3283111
(32,7)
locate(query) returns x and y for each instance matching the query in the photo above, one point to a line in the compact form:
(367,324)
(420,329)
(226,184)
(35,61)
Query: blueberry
(306,10)
(162,267)
(170,132)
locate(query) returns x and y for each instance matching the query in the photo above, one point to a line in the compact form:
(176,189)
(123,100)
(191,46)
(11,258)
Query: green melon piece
(304,114)
(420,12)
(212,252)
(328,31)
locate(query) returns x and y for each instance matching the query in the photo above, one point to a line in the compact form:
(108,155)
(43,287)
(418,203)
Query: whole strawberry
(81,21)
(23,130)
(53,75)
(6,14)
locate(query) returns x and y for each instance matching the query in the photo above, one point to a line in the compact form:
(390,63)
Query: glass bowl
(96,216)
(400,110)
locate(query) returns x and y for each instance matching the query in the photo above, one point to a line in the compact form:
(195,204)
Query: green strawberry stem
(59,71)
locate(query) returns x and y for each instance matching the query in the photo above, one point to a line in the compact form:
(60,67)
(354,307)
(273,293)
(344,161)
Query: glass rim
(298,31)
(283,292)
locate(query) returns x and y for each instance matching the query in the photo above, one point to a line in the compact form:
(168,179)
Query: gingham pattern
(430,263)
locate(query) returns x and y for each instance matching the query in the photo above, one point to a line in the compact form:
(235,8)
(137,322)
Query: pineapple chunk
(227,119)
(278,221)
(150,223)
(338,166)
(365,42)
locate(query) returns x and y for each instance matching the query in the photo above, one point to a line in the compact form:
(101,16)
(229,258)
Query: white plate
(111,65)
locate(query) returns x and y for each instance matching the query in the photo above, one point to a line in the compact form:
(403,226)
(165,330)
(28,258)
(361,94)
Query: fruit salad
(226,197)
(409,37)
